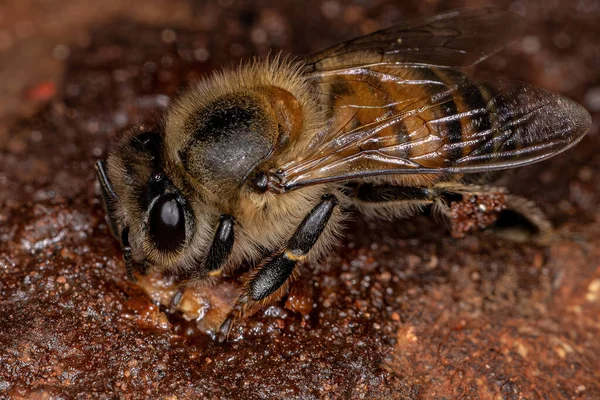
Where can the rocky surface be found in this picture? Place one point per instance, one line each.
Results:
(400, 310)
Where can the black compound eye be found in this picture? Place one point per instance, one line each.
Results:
(167, 223)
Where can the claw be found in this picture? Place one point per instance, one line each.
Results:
(176, 300)
(225, 328)
(236, 313)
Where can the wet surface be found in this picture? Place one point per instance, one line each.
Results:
(400, 310)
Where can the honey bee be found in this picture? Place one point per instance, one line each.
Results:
(260, 164)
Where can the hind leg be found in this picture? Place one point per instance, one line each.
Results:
(463, 207)
(493, 209)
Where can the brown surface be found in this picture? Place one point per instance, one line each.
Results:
(401, 310)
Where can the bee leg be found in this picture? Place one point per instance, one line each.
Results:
(221, 245)
(523, 221)
(127, 257)
(519, 220)
(218, 253)
(219, 250)
(390, 201)
(273, 277)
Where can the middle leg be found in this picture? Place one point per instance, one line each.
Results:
(273, 277)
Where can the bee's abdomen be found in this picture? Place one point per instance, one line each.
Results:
(457, 122)
(461, 114)
(433, 115)
(500, 124)
(415, 119)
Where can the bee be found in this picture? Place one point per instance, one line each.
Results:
(260, 164)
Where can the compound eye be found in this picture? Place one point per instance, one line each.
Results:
(167, 223)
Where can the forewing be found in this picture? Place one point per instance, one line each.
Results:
(399, 119)
(459, 38)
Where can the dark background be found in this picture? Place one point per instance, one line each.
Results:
(401, 309)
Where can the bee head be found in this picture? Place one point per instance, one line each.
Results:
(147, 207)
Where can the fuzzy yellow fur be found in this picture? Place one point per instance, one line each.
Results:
(263, 220)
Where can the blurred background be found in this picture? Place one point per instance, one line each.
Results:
(36, 36)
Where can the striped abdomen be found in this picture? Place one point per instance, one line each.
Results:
(399, 119)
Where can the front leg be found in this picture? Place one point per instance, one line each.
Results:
(218, 253)
(273, 277)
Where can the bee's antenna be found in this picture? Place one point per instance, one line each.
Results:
(127, 254)
(104, 181)
(109, 196)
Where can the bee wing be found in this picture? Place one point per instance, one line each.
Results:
(460, 38)
(406, 119)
